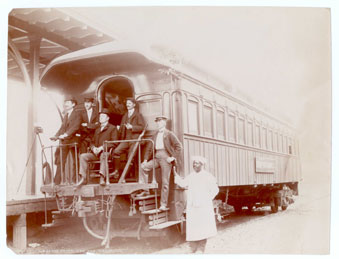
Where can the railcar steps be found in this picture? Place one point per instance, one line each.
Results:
(165, 224)
(154, 211)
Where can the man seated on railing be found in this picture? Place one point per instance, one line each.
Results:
(106, 132)
(132, 124)
(66, 134)
(167, 149)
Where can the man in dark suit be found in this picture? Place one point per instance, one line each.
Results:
(105, 132)
(132, 124)
(167, 149)
(89, 123)
(66, 134)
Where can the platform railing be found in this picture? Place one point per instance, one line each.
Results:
(136, 142)
(52, 149)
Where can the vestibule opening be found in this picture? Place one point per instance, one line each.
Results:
(112, 94)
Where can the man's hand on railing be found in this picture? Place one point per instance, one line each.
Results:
(54, 138)
(170, 159)
(143, 166)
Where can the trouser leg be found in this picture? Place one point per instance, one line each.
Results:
(84, 159)
(63, 152)
(83, 146)
(103, 162)
(165, 176)
(147, 169)
(198, 245)
(121, 148)
(74, 164)
(201, 245)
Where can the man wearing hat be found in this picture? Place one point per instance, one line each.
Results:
(132, 124)
(66, 134)
(105, 132)
(167, 149)
(89, 122)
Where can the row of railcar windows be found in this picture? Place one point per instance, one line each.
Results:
(236, 130)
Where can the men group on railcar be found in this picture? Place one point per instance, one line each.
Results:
(90, 129)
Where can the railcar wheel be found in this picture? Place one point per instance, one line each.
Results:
(284, 203)
(274, 205)
(96, 225)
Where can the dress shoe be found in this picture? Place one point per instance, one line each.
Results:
(102, 180)
(163, 208)
(143, 193)
(81, 182)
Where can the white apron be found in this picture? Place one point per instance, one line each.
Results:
(200, 219)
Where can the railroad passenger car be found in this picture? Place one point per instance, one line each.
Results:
(253, 155)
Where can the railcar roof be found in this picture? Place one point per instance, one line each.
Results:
(74, 71)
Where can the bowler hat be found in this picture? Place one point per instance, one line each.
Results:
(104, 110)
(162, 117)
(89, 99)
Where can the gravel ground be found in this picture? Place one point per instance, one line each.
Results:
(302, 229)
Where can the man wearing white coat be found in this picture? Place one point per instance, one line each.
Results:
(200, 219)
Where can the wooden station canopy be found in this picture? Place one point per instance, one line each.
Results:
(55, 31)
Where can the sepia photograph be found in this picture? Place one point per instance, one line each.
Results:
(139, 129)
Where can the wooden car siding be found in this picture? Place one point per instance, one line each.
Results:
(232, 165)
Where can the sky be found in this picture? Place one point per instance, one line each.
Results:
(272, 55)
(278, 58)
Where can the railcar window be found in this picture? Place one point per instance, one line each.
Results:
(275, 142)
(231, 127)
(150, 109)
(280, 143)
(250, 133)
(221, 124)
(270, 140)
(241, 131)
(264, 138)
(257, 136)
(208, 121)
(193, 116)
(285, 145)
(289, 146)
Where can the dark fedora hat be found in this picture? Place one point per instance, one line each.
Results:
(162, 117)
(89, 99)
(104, 110)
(71, 98)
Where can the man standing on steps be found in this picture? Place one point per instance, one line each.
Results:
(167, 149)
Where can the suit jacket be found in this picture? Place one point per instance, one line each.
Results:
(138, 124)
(171, 143)
(92, 124)
(109, 132)
(70, 126)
